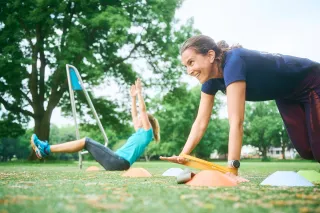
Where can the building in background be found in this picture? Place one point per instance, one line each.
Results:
(276, 152)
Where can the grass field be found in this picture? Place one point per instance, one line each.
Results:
(62, 187)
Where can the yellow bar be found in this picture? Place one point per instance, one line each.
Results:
(198, 163)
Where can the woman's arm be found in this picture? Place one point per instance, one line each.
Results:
(134, 113)
(236, 93)
(198, 128)
(143, 109)
(200, 124)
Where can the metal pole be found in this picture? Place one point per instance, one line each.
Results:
(92, 107)
(74, 112)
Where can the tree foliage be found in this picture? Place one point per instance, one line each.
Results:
(100, 37)
(264, 127)
(176, 112)
(10, 133)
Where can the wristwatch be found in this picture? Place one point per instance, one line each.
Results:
(234, 163)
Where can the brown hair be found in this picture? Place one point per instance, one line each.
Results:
(155, 127)
(202, 44)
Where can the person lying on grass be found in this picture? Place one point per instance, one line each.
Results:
(146, 126)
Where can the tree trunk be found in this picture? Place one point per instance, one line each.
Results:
(283, 150)
(264, 152)
(42, 130)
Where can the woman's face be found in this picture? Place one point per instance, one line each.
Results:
(198, 65)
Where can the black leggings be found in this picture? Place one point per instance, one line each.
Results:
(105, 156)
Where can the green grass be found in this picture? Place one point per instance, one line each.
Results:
(53, 187)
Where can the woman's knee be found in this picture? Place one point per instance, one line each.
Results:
(316, 156)
(87, 139)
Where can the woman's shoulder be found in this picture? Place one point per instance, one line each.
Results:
(243, 55)
(240, 51)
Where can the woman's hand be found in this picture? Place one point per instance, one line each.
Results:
(174, 159)
(138, 86)
(133, 91)
(236, 178)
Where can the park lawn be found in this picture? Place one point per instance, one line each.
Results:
(62, 187)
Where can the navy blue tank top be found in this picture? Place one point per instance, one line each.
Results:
(267, 76)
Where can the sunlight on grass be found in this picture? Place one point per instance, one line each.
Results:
(62, 187)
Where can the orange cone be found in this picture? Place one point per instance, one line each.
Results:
(211, 178)
(92, 169)
(136, 172)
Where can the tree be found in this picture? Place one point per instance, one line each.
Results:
(285, 141)
(100, 37)
(10, 131)
(176, 112)
(216, 137)
(264, 127)
(22, 147)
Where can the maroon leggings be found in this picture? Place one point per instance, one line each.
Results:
(301, 115)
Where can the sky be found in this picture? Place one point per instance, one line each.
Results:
(278, 26)
(290, 27)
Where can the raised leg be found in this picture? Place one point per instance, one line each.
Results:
(68, 147)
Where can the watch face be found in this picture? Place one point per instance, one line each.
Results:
(236, 164)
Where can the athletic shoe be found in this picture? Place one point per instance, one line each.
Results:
(41, 148)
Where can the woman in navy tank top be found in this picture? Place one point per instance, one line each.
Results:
(248, 75)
